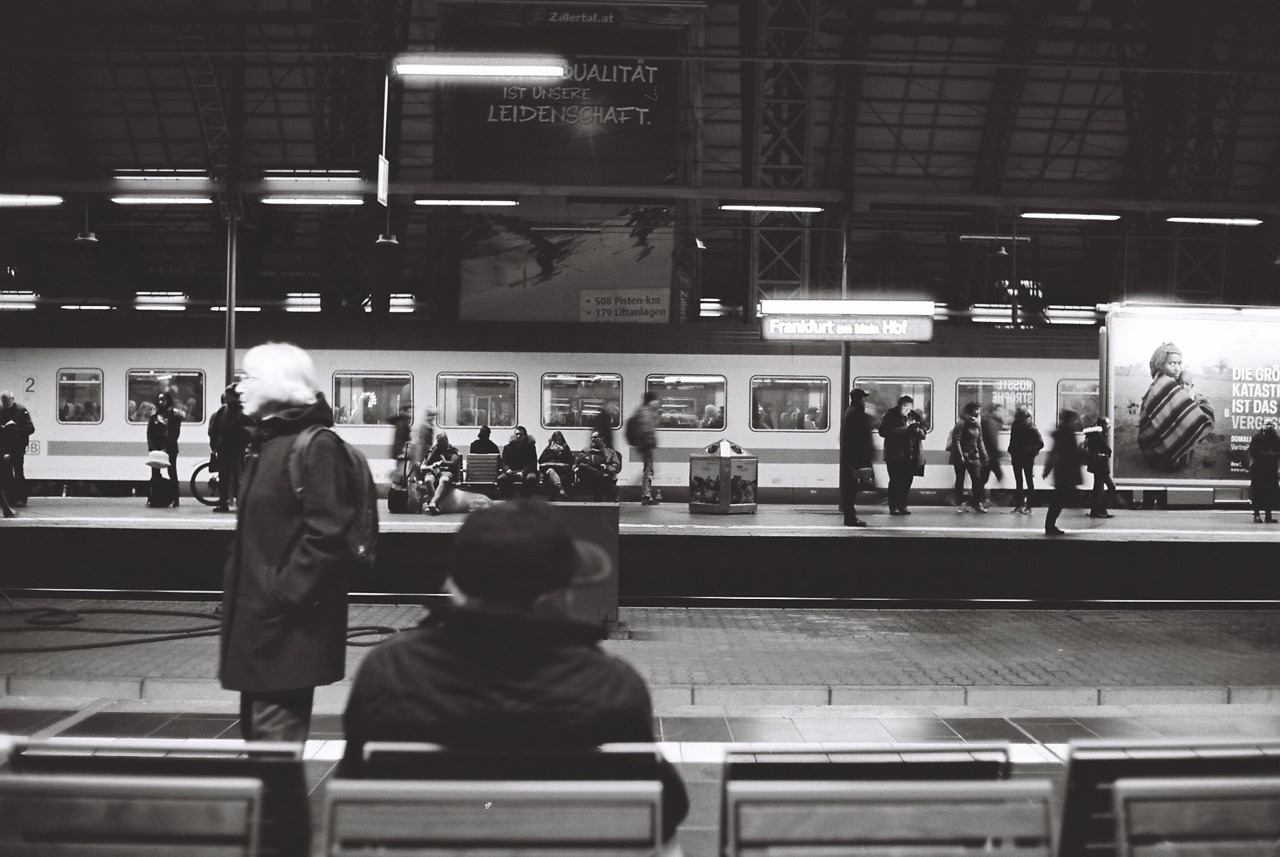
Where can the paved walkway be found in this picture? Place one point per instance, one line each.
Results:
(741, 657)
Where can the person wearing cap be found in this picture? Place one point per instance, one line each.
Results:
(501, 664)
(856, 452)
(228, 438)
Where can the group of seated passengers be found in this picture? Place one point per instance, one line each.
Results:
(521, 470)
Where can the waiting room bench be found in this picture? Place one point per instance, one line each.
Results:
(286, 824)
(888, 818)
(58, 815)
(1194, 817)
(1093, 767)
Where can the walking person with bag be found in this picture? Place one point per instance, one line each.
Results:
(1097, 451)
(856, 453)
(291, 561)
(642, 433)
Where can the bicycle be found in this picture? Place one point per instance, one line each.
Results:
(204, 485)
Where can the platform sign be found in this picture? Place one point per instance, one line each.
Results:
(1188, 388)
(846, 321)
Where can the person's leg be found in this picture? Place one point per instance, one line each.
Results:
(979, 492)
(1095, 497)
(17, 461)
(231, 471)
(959, 470)
(1019, 488)
(173, 476)
(276, 715)
(646, 476)
(895, 485)
(554, 484)
(224, 488)
(908, 477)
(1055, 509)
(443, 486)
(6, 486)
(1031, 487)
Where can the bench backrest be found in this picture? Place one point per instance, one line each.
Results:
(1191, 818)
(481, 468)
(923, 761)
(1088, 809)
(46, 815)
(877, 819)
(392, 760)
(392, 817)
(286, 826)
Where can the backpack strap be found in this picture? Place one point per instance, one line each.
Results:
(296, 462)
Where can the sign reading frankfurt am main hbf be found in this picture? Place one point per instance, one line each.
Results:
(848, 328)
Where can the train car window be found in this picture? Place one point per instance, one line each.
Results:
(883, 395)
(790, 404)
(689, 401)
(1010, 393)
(468, 399)
(79, 395)
(574, 399)
(186, 386)
(370, 398)
(1082, 397)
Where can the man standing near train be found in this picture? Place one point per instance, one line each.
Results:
(16, 429)
(856, 451)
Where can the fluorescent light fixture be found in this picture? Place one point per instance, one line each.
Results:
(87, 306)
(479, 65)
(586, 230)
(486, 202)
(833, 307)
(238, 309)
(160, 301)
(403, 303)
(994, 238)
(17, 300)
(1217, 221)
(313, 200)
(1062, 215)
(29, 200)
(712, 308)
(302, 302)
(161, 175)
(1063, 314)
(162, 200)
(313, 176)
(795, 209)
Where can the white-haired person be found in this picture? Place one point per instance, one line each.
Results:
(284, 604)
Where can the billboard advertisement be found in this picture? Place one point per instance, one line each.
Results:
(1189, 388)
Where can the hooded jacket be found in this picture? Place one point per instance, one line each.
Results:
(288, 571)
(476, 677)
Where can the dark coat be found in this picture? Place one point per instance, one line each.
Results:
(856, 449)
(1025, 442)
(13, 440)
(520, 456)
(484, 446)
(467, 677)
(449, 459)
(556, 454)
(1064, 459)
(288, 571)
(163, 430)
(1097, 450)
(229, 432)
(966, 445)
(901, 439)
(1264, 480)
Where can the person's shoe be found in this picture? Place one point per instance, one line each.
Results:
(854, 522)
(984, 506)
(1106, 515)
(894, 512)
(964, 508)
(904, 511)
(1257, 517)
(1270, 520)
(1054, 531)
(433, 509)
(9, 513)
(222, 508)
(175, 502)
(983, 509)
(646, 501)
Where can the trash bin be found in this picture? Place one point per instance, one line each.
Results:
(723, 480)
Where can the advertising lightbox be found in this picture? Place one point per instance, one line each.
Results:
(1189, 388)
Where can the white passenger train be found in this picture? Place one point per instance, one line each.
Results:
(90, 405)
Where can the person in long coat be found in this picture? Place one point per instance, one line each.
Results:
(856, 453)
(163, 429)
(289, 569)
(1064, 465)
(1264, 480)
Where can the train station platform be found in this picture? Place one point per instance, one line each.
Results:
(1034, 678)
(781, 554)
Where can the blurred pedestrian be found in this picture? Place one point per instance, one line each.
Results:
(1063, 464)
(642, 433)
(992, 425)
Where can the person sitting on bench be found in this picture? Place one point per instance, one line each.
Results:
(441, 471)
(596, 469)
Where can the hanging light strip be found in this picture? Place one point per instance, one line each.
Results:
(29, 200)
